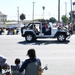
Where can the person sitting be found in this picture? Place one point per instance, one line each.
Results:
(4, 66)
(45, 28)
(36, 30)
(3, 63)
(17, 62)
(15, 68)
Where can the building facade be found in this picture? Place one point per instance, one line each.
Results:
(3, 17)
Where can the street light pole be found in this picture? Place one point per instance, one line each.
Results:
(18, 14)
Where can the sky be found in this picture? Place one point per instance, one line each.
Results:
(9, 7)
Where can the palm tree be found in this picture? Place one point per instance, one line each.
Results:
(43, 11)
(22, 16)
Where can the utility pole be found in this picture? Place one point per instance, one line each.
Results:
(71, 16)
(58, 10)
(71, 11)
(18, 14)
(33, 11)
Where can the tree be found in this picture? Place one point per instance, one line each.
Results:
(22, 16)
(43, 11)
(52, 19)
(43, 8)
(65, 19)
(42, 20)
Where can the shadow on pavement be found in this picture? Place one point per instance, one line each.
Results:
(43, 42)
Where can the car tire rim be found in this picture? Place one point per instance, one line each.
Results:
(29, 37)
(61, 37)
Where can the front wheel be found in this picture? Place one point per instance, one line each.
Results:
(29, 37)
(61, 37)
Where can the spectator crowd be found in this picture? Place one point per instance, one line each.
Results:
(30, 66)
(9, 31)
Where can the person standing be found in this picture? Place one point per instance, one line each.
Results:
(32, 65)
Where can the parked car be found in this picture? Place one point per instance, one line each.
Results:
(44, 30)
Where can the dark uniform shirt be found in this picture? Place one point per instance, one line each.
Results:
(30, 66)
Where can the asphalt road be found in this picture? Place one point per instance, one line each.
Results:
(60, 57)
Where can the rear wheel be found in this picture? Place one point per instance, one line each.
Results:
(61, 37)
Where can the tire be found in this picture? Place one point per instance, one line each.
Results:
(29, 37)
(61, 37)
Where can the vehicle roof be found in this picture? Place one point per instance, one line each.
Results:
(37, 22)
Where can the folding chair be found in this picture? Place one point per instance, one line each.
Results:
(0, 69)
(15, 70)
